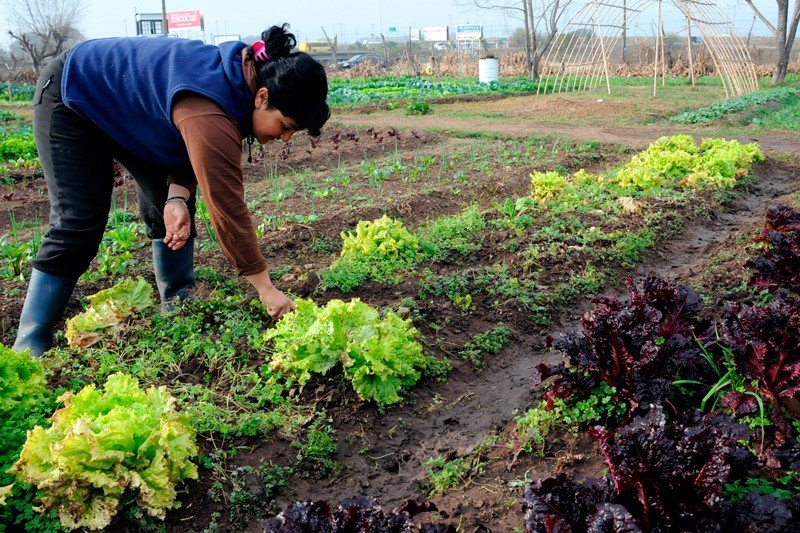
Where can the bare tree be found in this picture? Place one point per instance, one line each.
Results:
(784, 33)
(44, 28)
(540, 18)
(333, 46)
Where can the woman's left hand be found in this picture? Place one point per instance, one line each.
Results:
(178, 224)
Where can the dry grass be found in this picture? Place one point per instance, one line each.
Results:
(450, 65)
(456, 65)
(514, 64)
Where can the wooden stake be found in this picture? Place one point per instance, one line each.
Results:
(655, 59)
(602, 50)
(689, 41)
(663, 45)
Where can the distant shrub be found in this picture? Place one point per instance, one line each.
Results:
(17, 146)
(418, 108)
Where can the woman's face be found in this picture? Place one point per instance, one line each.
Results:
(270, 124)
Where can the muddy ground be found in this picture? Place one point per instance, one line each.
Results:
(382, 452)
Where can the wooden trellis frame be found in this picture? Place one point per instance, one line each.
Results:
(578, 58)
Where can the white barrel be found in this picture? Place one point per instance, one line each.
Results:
(488, 70)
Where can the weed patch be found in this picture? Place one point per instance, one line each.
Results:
(445, 475)
(487, 343)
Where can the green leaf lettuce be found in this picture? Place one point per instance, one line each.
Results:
(379, 355)
(106, 446)
(106, 309)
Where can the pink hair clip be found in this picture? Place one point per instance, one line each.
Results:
(260, 51)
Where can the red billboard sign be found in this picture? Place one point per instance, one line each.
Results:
(181, 20)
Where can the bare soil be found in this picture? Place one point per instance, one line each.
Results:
(523, 116)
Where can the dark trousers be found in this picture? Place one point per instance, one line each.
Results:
(78, 163)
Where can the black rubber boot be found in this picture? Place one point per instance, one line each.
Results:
(174, 272)
(44, 304)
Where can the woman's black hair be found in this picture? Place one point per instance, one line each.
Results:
(297, 83)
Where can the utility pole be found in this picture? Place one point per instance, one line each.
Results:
(164, 17)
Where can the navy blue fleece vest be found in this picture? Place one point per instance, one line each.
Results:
(127, 85)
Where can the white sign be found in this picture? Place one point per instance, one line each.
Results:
(434, 33)
(219, 39)
(413, 34)
(469, 32)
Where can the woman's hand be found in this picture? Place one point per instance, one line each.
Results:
(178, 224)
(277, 303)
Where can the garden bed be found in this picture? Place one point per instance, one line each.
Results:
(531, 267)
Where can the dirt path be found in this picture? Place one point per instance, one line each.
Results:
(634, 136)
(683, 257)
(386, 453)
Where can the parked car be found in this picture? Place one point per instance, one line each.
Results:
(360, 59)
(440, 46)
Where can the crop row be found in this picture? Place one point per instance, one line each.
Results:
(348, 92)
(697, 422)
(17, 146)
(13, 92)
(727, 107)
(384, 249)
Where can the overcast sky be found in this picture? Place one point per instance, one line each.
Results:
(352, 19)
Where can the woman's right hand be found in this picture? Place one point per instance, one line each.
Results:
(277, 303)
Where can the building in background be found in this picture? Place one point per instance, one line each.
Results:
(314, 47)
(149, 24)
(186, 24)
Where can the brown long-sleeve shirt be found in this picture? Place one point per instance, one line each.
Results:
(214, 144)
